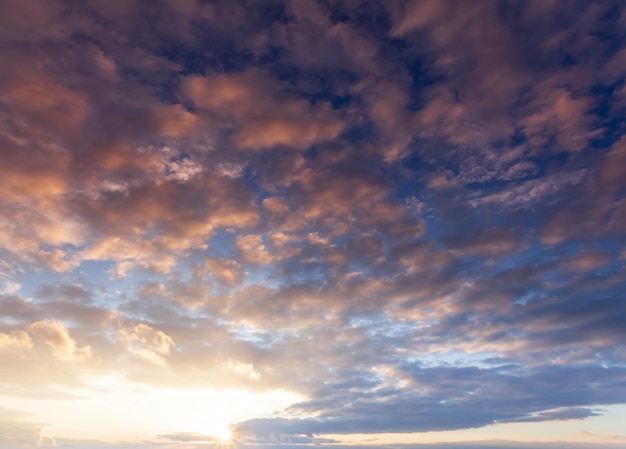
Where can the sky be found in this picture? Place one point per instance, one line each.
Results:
(288, 223)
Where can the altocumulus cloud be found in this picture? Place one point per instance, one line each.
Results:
(409, 214)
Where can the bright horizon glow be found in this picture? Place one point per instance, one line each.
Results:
(118, 410)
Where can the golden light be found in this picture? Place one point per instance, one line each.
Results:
(118, 410)
(224, 436)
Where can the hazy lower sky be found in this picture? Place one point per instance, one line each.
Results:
(281, 223)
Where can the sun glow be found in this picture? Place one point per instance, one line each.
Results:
(224, 435)
(207, 428)
(116, 409)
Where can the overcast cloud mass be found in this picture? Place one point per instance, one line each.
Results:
(310, 219)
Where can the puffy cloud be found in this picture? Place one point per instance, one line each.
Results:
(15, 341)
(261, 117)
(246, 369)
(147, 343)
(230, 271)
(254, 249)
(55, 335)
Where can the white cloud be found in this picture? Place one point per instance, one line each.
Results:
(147, 343)
(531, 191)
(230, 169)
(54, 334)
(19, 340)
(9, 287)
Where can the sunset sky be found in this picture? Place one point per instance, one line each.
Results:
(285, 223)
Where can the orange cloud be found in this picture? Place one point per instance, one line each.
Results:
(261, 113)
(55, 335)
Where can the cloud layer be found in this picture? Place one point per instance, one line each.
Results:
(410, 214)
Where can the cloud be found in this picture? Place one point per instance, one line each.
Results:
(409, 215)
(15, 341)
(55, 335)
(557, 114)
(189, 437)
(608, 438)
(254, 249)
(532, 190)
(262, 118)
(147, 343)
(440, 405)
(230, 271)
(17, 429)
